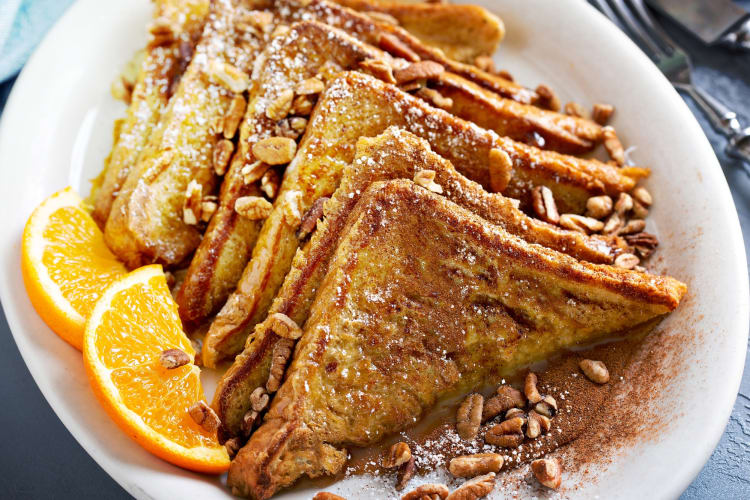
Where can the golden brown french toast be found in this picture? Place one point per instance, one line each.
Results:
(176, 29)
(302, 53)
(395, 154)
(147, 223)
(357, 105)
(422, 300)
(462, 32)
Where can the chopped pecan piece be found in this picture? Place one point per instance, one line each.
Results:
(275, 150)
(544, 205)
(599, 207)
(398, 455)
(474, 465)
(624, 204)
(641, 195)
(596, 371)
(547, 98)
(310, 86)
(613, 145)
(228, 76)
(485, 63)
(222, 153)
(281, 106)
(253, 207)
(291, 127)
(269, 183)
(382, 17)
(204, 415)
(435, 98)
(496, 438)
(393, 45)
(644, 243)
(547, 472)
(426, 179)
(633, 226)
(259, 399)
(233, 445)
(253, 172)
(234, 116)
(208, 209)
(248, 421)
(173, 358)
(191, 208)
(311, 217)
(575, 109)
(379, 69)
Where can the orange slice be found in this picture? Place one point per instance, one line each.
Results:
(65, 264)
(132, 324)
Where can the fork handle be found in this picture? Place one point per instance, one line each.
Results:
(724, 120)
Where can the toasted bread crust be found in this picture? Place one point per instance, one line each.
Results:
(445, 309)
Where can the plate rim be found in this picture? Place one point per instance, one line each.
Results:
(680, 480)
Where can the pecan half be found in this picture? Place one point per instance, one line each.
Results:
(417, 71)
(530, 390)
(204, 415)
(547, 98)
(282, 351)
(580, 223)
(602, 113)
(469, 416)
(613, 145)
(398, 455)
(379, 69)
(496, 437)
(259, 399)
(173, 358)
(644, 243)
(253, 207)
(642, 195)
(626, 261)
(507, 397)
(633, 226)
(310, 86)
(543, 202)
(624, 204)
(405, 473)
(222, 153)
(473, 489)
(474, 465)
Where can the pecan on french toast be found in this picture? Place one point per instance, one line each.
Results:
(175, 31)
(311, 51)
(422, 300)
(462, 32)
(356, 105)
(395, 154)
(147, 222)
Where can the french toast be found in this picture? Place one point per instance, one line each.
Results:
(422, 300)
(177, 26)
(146, 222)
(462, 32)
(356, 105)
(299, 54)
(377, 33)
(395, 154)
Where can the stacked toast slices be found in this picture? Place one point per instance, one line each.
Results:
(344, 172)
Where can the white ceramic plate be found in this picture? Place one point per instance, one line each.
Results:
(56, 131)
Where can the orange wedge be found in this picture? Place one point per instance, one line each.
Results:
(131, 325)
(65, 264)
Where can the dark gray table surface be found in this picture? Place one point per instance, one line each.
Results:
(41, 459)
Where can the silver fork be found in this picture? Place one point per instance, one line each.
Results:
(633, 16)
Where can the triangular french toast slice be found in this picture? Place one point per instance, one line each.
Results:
(424, 299)
(356, 105)
(177, 27)
(395, 154)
